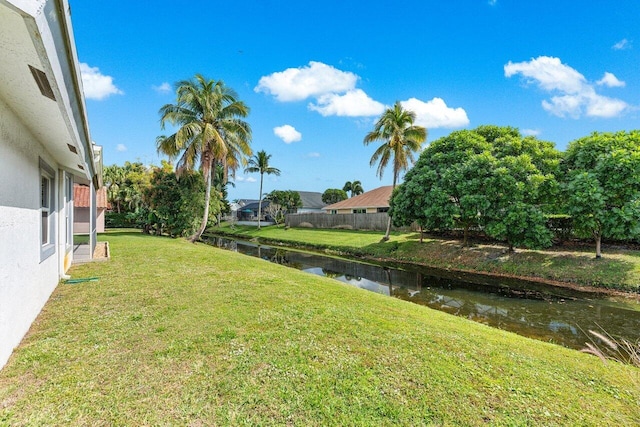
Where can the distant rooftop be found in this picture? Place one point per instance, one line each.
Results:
(311, 199)
(82, 197)
(377, 198)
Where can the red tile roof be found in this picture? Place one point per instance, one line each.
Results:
(81, 197)
(378, 198)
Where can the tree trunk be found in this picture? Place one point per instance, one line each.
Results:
(420, 234)
(388, 232)
(260, 200)
(207, 200)
(598, 237)
(465, 236)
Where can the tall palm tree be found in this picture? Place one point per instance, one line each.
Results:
(210, 131)
(113, 178)
(260, 163)
(354, 187)
(401, 139)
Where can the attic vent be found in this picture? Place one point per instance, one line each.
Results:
(72, 149)
(43, 83)
(80, 167)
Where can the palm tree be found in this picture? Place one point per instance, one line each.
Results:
(211, 131)
(113, 178)
(401, 139)
(354, 187)
(260, 163)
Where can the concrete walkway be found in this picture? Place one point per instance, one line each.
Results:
(81, 253)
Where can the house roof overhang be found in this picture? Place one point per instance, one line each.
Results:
(40, 82)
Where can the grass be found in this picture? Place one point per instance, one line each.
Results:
(618, 269)
(181, 334)
(80, 239)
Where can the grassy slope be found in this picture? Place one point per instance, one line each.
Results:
(619, 269)
(175, 333)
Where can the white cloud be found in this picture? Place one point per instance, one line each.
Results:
(121, 147)
(313, 154)
(575, 95)
(163, 88)
(315, 79)
(354, 103)
(243, 179)
(610, 80)
(622, 45)
(549, 73)
(287, 133)
(96, 85)
(435, 113)
(603, 106)
(530, 132)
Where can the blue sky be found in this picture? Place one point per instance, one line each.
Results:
(316, 75)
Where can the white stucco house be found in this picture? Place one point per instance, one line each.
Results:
(45, 147)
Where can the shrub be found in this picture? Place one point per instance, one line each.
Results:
(621, 350)
(118, 220)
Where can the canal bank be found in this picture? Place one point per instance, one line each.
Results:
(548, 313)
(617, 274)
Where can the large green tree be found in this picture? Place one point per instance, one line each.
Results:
(174, 206)
(354, 187)
(282, 202)
(602, 185)
(334, 195)
(211, 130)
(490, 178)
(401, 139)
(259, 163)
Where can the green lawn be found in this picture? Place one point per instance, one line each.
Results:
(180, 334)
(618, 269)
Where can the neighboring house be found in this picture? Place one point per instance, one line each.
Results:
(82, 209)
(374, 201)
(311, 202)
(249, 211)
(45, 147)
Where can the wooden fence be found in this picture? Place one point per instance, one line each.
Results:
(361, 221)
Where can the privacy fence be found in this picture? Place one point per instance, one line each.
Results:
(360, 221)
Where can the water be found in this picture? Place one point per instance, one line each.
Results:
(562, 316)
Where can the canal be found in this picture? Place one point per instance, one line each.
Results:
(558, 315)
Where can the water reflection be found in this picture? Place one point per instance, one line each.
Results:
(531, 310)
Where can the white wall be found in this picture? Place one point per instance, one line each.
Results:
(25, 282)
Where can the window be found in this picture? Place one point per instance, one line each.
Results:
(47, 210)
(45, 207)
(334, 211)
(381, 210)
(359, 211)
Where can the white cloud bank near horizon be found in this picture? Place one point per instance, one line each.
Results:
(334, 93)
(96, 85)
(287, 133)
(575, 96)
